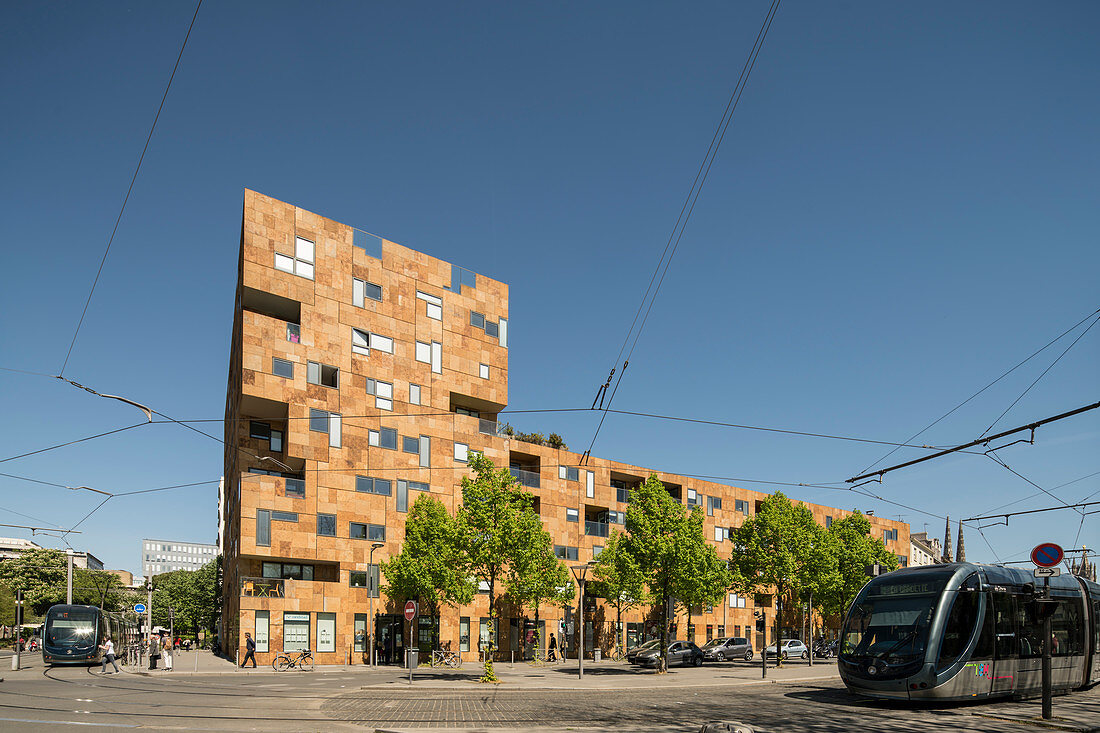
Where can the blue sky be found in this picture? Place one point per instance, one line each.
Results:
(904, 208)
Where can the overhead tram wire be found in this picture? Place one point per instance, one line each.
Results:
(1007, 515)
(980, 441)
(1000, 462)
(73, 442)
(1043, 374)
(1039, 493)
(927, 427)
(129, 190)
(681, 224)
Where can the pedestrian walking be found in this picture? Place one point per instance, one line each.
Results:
(166, 646)
(154, 650)
(552, 652)
(108, 648)
(250, 650)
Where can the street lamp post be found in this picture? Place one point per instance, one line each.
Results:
(370, 598)
(580, 572)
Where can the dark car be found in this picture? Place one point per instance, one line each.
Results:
(632, 654)
(726, 648)
(679, 652)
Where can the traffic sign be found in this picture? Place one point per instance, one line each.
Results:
(1047, 572)
(1047, 555)
(410, 610)
(139, 608)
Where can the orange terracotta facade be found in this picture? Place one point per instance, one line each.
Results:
(308, 314)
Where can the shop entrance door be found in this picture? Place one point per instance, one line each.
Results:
(389, 639)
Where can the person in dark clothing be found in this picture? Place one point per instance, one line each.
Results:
(250, 650)
(552, 652)
(154, 650)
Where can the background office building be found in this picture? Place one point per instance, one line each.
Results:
(164, 556)
(363, 374)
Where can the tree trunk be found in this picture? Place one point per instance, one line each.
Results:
(538, 636)
(662, 664)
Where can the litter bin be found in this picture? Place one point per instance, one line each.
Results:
(413, 658)
(597, 655)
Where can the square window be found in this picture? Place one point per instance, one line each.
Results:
(569, 473)
(293, 333)
(410, 444)
(357, 530)
(282, 368)
(318, 421)
(326, 525)
(303, 249)
(296, 487)
(383, 487)
(322, 374)
(284, 263)
(414, 394)
(477, 319)
(259, 430)
(388, 438)
(372, 291)
(423, 352)
(572, 515)
(381, 343)
(360, 342)
(303, 269)
(462, 452)
(483, 371)
(364, 484)
(435, 311)
(491, 329)
(357, 579)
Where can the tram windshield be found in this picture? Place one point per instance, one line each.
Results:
(71, 628)
(890, 619)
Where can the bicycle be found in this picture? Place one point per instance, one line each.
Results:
(617, 654)
(303, 660)
(446, 658)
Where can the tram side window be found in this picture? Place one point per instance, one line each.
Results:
(1067, 629)
(1029, 627)
(959, 627)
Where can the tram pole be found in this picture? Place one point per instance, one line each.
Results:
(1047, 613)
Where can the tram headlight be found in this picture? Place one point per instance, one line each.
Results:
(872, 670)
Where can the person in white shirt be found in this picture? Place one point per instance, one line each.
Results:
(109, 655)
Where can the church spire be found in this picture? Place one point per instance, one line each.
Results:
(947, 541)
(960, 552)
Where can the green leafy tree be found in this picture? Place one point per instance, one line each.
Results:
(617, 577)
(782, 549)
(41, 575)
(191, 594)
(855, 549)
(668, 547)
(432, 566)
(536, 575)
(490, 527)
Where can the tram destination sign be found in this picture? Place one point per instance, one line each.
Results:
(1047, 572)
(1047, 555)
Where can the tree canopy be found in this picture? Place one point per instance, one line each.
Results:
(493, 523)
(666, 544)
(191, 594)
(855, 549)
(42, 575)
(432, 567)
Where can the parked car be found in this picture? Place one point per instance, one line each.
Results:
(790, 648)
(632, 654)
(679, 652)
(726, 648)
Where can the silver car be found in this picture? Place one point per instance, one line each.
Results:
(726, 648)
(790, 648)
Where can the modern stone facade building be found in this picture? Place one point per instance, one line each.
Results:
(363, 373)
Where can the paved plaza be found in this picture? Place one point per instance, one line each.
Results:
(612, 697)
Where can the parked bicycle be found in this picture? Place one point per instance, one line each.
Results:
(303, 660)
(617, 654)
(446, 658)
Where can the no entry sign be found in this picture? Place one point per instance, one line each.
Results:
(410, 610)
(1047, 555)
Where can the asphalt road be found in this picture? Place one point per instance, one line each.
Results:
(361, 700)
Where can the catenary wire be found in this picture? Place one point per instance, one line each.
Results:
(73, 442)
(1040, 493)
(129, 190)
(983, 389)
(693, 197)
(1000, 462)
(1041, 375)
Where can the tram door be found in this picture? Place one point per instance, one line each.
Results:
(1006, 647)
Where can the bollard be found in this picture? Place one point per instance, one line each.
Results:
(513, 662)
